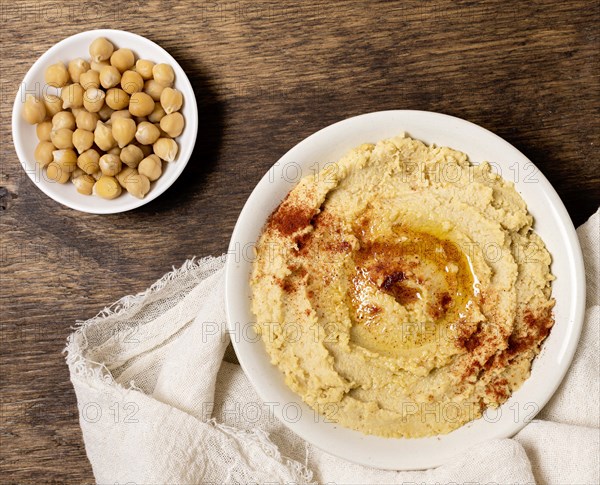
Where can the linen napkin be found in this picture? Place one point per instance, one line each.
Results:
(158, 404)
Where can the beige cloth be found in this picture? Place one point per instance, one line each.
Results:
(159, 405)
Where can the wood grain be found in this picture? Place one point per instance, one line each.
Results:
(266, 75)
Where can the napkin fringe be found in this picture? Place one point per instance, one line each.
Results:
(258, 437)
(77, 342)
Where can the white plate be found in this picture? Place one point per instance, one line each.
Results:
(551, 222)
(25, 139)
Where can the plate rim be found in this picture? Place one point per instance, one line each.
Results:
(577, 306)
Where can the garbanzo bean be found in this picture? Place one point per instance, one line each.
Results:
(144, 68)
(89, 161)
(62, 138)
(53, 104)
(131, 82)
(43, 129)
(77, 67)
(57, 75)
(101, 49)
(34, 110)
(141, 104)
(166, 148)
(43, 153)
(122, 59)
(90, 79)
(171, 100)
(131, 155)
(172, 124)
(84, 184)
(163, 74)
(103, 136)
(72, 96)
(117, 99)
(86, 121)
(123, 130)
(147, 133)
(57, 174)
(82, 140)
(107, 187)
(110, 164)
(151, 167)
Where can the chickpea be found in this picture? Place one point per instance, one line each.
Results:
(147, 133)
(82, 140)
(122, 59)
(77, 67)
(97, 175)
(62, 138)
(56, 173)
(84, 184)
(110, 164)
(153, 89)
(77, 173)
(103, 137)
(117, 99)
(43, 153)
(157, 114)
(63, 119)
(34, 110)
(172, 124)
(141, 104)
(97, 66)
(43, 129)
(101, 49)
(131, 82)
(105, 112)
(122, 113)
(76, 111)
(131, 155)
(166, 148)
(57, 75)
(86, 121)
(53, 104)
(115, 151)
(107, 187)
(151, 167)
(109, 77)
(89, 161)
(171, 100)
(137, 185)
(72, 96)
(123, 130)
(144, 68)
(66, 159)
(163, 74)
(93, 100)
(124, 175)
(90, 79)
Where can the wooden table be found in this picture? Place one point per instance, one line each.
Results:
(266, 75)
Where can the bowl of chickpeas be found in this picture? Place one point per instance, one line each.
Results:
(105, 121)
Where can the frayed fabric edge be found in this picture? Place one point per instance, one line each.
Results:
(86, 368)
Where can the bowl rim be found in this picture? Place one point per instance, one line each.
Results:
(117, 206)
(237, 308)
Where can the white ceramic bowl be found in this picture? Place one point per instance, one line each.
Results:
(551, 222)
(25, 139)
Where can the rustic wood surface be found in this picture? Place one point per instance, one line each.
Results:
(266, 75)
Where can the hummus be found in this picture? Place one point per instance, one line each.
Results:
(402, 290)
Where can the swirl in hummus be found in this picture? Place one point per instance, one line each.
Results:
(402, 290)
